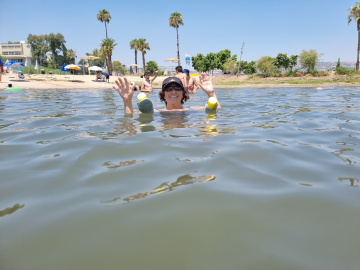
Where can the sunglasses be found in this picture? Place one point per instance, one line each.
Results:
(176, 88)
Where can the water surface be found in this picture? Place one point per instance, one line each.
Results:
(270, 182)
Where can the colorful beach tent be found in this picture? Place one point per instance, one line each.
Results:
(63, 69)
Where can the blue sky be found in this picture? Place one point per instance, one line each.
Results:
(267, 27)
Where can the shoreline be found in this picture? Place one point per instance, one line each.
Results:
(82, 82)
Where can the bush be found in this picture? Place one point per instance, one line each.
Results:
(266, 66)
(316, 73)
(309, 59)
(345, 71)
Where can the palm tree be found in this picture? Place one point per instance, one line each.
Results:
(106, 48)
(355, 15)
(143, 46)
(71, 54)
(174, 21)
(134, 44)
(104, 16)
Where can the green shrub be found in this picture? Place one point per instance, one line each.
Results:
(345, 71)
(309, 59)
(266, 66)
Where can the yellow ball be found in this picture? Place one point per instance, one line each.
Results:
(211, 103)
(141, 96)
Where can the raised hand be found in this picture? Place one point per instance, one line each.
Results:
(123, 89)
(206, 84)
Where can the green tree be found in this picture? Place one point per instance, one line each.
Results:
(131, 70)
(198, 62)
(56, 43)
(82, 62)
(107, 46)
(309, 59)
(212, 62)
(134, 45)
(247, 67)
(293, 61)
(71, 56)
(117, 66)
(282, 61)
(2, 59)
(230, 66)
(151, 67)
(354, 14)
(104, 16)
(223, 57)
(266, 66)
(338, 63)
(39, 45)
(143, 46)
(174, 21)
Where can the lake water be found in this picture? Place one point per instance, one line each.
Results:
(270, 182)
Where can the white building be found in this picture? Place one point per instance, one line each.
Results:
(18, 52)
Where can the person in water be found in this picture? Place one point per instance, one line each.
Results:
(191, 82)
(133, 86)
(146, 85)
(172, 93)
(181, 76)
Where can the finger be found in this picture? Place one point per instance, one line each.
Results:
(200, 78)
(204, 76)
(121, 82)
(211, 78)
(126, 82)
(117, 82)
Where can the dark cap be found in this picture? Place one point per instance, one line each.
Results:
(186, 71)
(169, 80)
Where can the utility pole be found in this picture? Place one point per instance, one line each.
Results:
(240, 57)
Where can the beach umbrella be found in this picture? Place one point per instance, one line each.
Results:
(91, 57)
(135, 65)
(14, 64)
(172, 60)
(36, 66)
(95, 68)
(73, 67)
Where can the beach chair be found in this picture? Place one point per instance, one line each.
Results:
(21, 76)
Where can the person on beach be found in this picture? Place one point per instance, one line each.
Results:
(181, 76)
(98, 77)
(1, 70)
(146, 85)
(107, 77)
(172, 93)
(191, 82)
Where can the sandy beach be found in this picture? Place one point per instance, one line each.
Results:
(77, 82)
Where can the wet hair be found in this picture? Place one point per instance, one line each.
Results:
(146, 74)
(183, 100)
(179, 69)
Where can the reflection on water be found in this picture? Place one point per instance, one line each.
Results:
(183, 180)
(97, 182)
(349, 180)
(11, 210)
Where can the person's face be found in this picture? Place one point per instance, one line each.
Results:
(147, 77)
(173, 96)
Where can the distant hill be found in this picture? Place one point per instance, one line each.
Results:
(327, 65)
